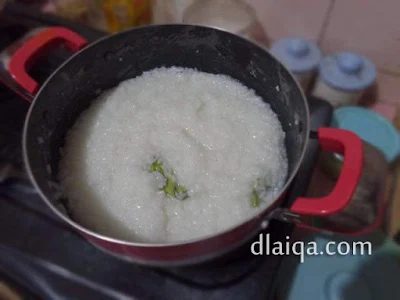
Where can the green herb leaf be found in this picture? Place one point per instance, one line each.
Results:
(171, 188)
(255, 199)
(181, 192)
(257, 183)
(157, 167)
(201, 107)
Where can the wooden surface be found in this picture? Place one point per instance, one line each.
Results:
(394, 213)
(394, 216)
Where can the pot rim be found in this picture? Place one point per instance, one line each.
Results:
(181, 262)
(168, 244)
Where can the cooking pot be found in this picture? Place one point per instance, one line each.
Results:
(110, 60)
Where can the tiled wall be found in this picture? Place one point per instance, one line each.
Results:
(369, 27)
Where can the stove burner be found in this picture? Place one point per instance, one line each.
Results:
(38, 248)
(233, 267)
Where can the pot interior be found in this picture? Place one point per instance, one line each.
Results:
(113, 59)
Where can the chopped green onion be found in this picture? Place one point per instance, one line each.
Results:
(201, 107)
(260, 186)
(181, 192)
(171, 188)
(257, 183)
(255, 199)
(157, 167)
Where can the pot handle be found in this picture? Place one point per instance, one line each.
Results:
(374, 226)
(350, 145)
(39, 45)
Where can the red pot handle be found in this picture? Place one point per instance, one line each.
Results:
(373, 227)
(350, 145)
(36, 47)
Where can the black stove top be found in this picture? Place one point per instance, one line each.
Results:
(44, 258)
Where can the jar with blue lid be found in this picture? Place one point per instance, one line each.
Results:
(300, 56)
(343, 77)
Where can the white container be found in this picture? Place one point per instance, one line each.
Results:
(235, 16)
(343, 77)
(169, 11)
(300, 56)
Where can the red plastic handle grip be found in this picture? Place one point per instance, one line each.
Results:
(350, 145)
(366, 230)
(38, 46)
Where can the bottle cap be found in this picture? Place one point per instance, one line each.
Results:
(347, 71)
(370, 127)
(298, 55)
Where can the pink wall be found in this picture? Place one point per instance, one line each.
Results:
(369, 27)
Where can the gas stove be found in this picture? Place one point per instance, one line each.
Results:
(42, 258)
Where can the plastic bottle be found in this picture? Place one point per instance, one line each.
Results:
(169, 11)
(300, 56)
(343, 77)
(117, 15)
(234, 16)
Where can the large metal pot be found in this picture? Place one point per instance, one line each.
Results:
(105, 63)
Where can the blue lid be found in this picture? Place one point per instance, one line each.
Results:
(347, 71)
(340, 277)
(370, 127)
(298, 55)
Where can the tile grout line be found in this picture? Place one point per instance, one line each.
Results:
(388, 72)
(324, 27)
(326, 21)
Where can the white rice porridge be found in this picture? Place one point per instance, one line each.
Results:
(173, 155)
